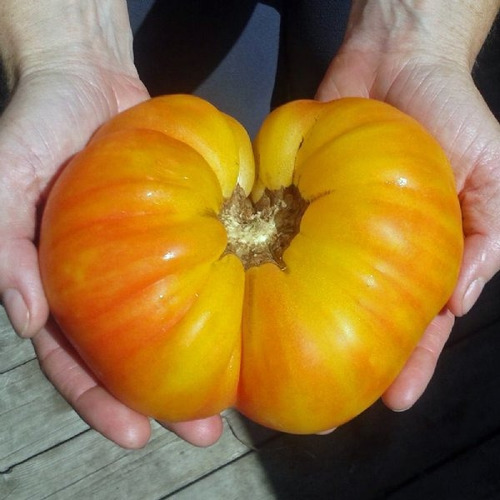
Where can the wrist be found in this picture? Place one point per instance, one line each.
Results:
(40, 35)
(446, 30)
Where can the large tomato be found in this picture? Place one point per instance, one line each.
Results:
(299, 307)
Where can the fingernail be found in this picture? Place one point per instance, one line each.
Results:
(325, 433)
(402, 409)
(17, 311)
(472, 294)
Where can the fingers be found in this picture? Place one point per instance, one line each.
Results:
(200, 433)
(101, 410)
(481, 262)
(91, 401)
(416, 374)
(327, 432)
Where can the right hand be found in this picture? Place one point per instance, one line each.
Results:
(417, 56)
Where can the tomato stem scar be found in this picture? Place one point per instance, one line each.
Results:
(261, 232)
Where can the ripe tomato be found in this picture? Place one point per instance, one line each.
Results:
(190, 280)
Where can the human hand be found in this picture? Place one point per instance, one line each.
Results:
(418, 57)
(70, 69)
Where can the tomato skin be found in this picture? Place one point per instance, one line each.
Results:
(376, 258)
(130, 259)
(133, 261)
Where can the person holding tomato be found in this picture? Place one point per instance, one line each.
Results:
(69, 67)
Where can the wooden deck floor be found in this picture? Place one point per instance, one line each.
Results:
(446, 447)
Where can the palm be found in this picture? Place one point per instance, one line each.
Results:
(444, 99)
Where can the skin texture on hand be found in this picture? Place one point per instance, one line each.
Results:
(70, 68)
(417, 56)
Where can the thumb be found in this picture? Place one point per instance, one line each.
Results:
(348, 75)
(21, 288)
(481, 261)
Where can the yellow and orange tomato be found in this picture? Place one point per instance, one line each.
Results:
(299, 307)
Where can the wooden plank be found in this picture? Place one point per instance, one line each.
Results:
(14, 351)
(242, 479)
(33, 416)
(88, 466)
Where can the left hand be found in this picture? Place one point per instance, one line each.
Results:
(406, 57)
(70, 69)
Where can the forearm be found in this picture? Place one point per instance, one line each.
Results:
(442, 28)
(34, 32)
